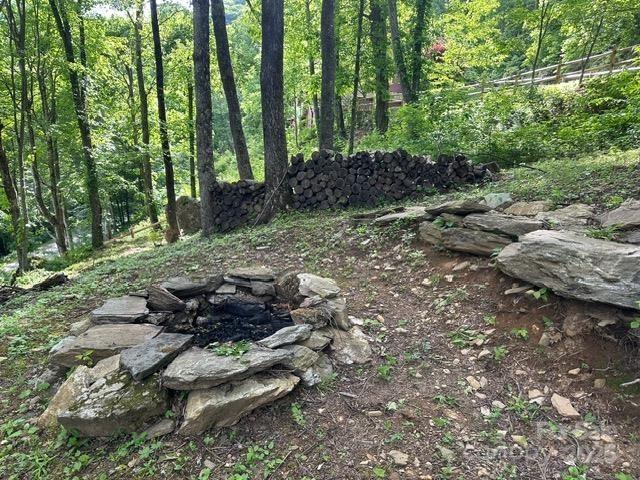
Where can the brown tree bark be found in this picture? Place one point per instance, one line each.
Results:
(10, 191)
(277, 194)
(192, 141)
(379, 44)
(356, 78)
(328, 85)
(423, 8)
(229, 85)
(204, 134)
(398, 53)
(312, 64)
(173, 232)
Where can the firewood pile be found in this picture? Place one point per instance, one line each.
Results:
(237, 204)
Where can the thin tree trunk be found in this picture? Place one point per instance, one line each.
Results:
(173, 232)
(277, 193)
(192, 141)
(312, 63)
(328, 85)
(423, 7)
(78, 90)
(379, 43)
(10, 190)
(229, 85)
(204, 134)
(593, 43)
(147, 178)
(356, 78)
(398, 54)
(545, 18)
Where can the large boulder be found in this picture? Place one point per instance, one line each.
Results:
(100, 342)
(198, 369)
(188, 213)
(625, 217)
(147, 358)
(576, 266)
(224, 405)
(126, 309)
(511, 225)
(476, 242)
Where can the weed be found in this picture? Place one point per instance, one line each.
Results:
(230, 349)
(298, 416)
(447, 400)
(520, 333)
(490, 320)
(499, 353)
(540, 294)
(463, 336)
(575, 473)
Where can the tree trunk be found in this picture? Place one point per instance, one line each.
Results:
(423, 7)
(79, 94)
(312, 63)
(398, 54)
(543, 25)
(229, 85)
(204, 134)
(277, 193)
(328, 86)
(173, 232)
(11, 192)
(192, 141)
(591, 45)
(147, 179)
(379, 43)
(356, 78)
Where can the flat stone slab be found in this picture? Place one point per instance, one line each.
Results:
(223, 406)
(495, 200)
(287, 336)
(114, 404)
(458, 207)
(253, 273)
(198, 368)
(126, 309)
(408, 214)
(528, 209)
(312, 285)
(577, 217)
(430, 233)
(183, 287)
(100, 342)
(494, 222)
(162, 300)
(626, 216)
(576, 266)
(301, 358)
(147, 358)
(318, 340)
(476, 242)
(350, 347)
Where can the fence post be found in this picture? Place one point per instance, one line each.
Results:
(559, 72)
(613, 59)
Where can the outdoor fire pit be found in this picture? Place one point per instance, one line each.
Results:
(235, 342)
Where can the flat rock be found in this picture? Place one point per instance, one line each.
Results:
(430, 233)
(100, 342)
(312, 285)
(476, 242)
(331, 311)
(399, 458)
(576, 266)
(263, 289)
(227, 289)
(495, 200)
(309, 316)
(528, 209)
(563, 406)
(253, 273)
(198, 369)
(351, 346)
(500, 223)
(126, 309)
(162, 300)
(318, 340)
(301, 358)
(114, 404)
(182, 287)
(286, 336)
(321, 370)
(147, 358)
(224, 405)
(458, 207)
(407, 214)
(79, 327)
(160, 428)
(631, 236)
(577, 218)
(625, 217)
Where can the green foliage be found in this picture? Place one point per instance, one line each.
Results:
(297, 414)
(230, 349)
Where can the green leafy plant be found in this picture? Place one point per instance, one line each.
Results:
(297, 414)
(521, 333)
(231, 349)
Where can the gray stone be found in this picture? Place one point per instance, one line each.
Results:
(226, 289)
(451, 220)
(253, 273)
(100, 342)
(458, 207)
(79, 379)
(318, 340)
(500, 223)
(286, 336)
(237, 281)
(632, 236)
(312, 285)
(476, 242)
(351, 346)
(114, 404)
(430, 234)
(301, 358)
(126, 309)
(576, 266)
(197, 368)
(79, 327)
(161, 300)
(188, 214)
(576, 218)
(528, 209)
(262, 289)
(625, 217)
(330, 311)
(224, 405)
(287, 287)
(495, 200)
(318, 372)
(147, 358)
(309, 316)
(160, 428)
(407, 214)
(182, 287)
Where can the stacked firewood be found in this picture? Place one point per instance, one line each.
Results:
(237, 204)
(329, 179)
